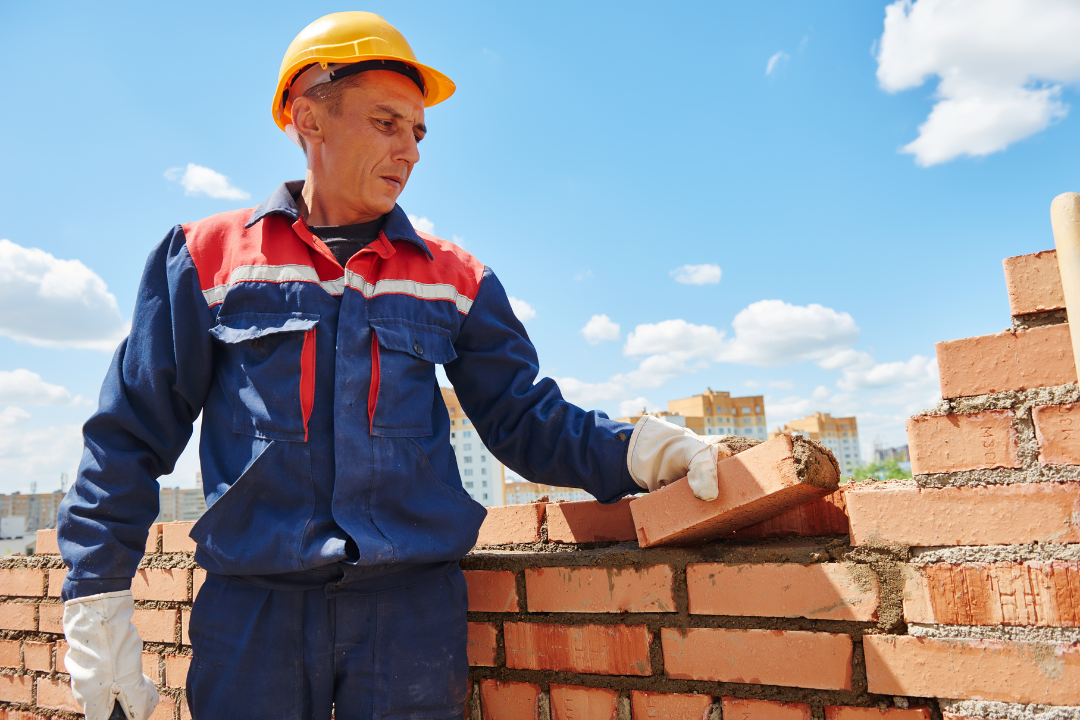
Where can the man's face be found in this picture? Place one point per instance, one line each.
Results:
(367, 149)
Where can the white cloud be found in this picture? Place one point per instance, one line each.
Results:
(587, 395)
(50, 302)
(522, 309)
(199, 180)
(600, 328)
(656, 370)
(862, 372)
(676, 338)
(422, 224)
(629, 408)
(1001, 65)
(13, 415)
(707, 274)
(773, 332)
(27, 388)
(775, 60)
(29, 453)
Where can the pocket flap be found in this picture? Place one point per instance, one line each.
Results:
(424, 342)
(248, 326)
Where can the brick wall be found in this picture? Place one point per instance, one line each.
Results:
(955, 595)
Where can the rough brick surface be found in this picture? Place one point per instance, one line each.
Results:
(198, 577)
(950, 443)
(46, 543)
(17, 616)
(653, 705)
(9, 653)
(583, 703)
(153, 539)
(492, 591)
(823, 516)
(998, 515)
(23, 582)
(185, 621)
(61, 655)
(176, 670)
(482, 644)
(1033, 283)
(1010, 360)
(1031, 593)
(840, 712)
(754, 485)
(37, 656)
(509, 700)
(16, 688)
(151, 666)
(590, 521)
(174, 537)
(51, 618)
(747, 709)
(603, 649)
(1057, 428)
(160, 584)
(826, 591)
(600, 590)
(56, 582)
(165, 710)
(56, 695)
(792, 658)
(512, 524)
(976, 670)
(155, 625)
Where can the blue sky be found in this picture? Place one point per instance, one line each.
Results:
(592, 150)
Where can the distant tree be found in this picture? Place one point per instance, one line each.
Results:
(885, 470)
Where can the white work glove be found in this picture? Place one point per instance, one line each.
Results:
(661, 453)
(105, 657)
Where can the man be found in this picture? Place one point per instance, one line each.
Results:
(306, 331)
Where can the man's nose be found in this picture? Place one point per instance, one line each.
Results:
(408, 151)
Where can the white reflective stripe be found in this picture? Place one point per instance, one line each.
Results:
(269, 273)
(425, 291)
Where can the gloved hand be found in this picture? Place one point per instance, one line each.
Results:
(105, 657)
(661, 453)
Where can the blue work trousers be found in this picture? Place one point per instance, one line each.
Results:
(262, 653)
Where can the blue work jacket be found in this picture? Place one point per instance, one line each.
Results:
(324, 435)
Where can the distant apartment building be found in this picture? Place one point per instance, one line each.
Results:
(182, 504)
(841, 435)
(481, 474)
(899, 454)
(716, 413)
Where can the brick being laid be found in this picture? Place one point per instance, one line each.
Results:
(1012, 360)
(1036, 593)
(1057, 428)
(1016, 672)
(952, 443)
(755, 484)
(600, 589)
(823, 516)
(1033, 283)
(891, 513)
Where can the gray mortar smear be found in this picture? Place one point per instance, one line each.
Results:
(1009, 711)
(995, 553)
(1014, 633)
(1021, 402)
(1039, 319)
(813, 461)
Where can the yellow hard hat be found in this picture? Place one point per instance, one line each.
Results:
(346, 38)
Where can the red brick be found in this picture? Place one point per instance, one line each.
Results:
(155, 625)
(512, 524)
(569, 702)
(61, 655)
(185, 621)
(56, 582)
(174, 537)
(160, 584)
(950, 443)
(823, 516)
(976, 670)
(492, 591)
(37, 656)
(745, 709)
(9, 653)
(754, 485)
(600, 590)
(603, 649)
(654, 706)
(997, 515)
(509, 700)
(840, 712)
(51, 618)
(1033, 283)
(22, 582)
(17, 688)
(165, 710)
(1030, 593)
(198, 577)
(482, 645)
(176, 670)
(793, 658)
(151, 666)
(1057, 428)
(46, 543)
(590, 521)
(25, 715)
(56, 695)
(153, 544)
(1012, 360)
(17, 616)
(185, 712)
(826, 591)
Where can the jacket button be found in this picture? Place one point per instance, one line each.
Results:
(417, 349)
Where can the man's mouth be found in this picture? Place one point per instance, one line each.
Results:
(394, 182)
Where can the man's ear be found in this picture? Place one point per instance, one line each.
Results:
(306, 116)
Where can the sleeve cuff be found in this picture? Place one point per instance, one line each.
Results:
(92, 586)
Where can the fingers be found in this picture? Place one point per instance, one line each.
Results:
(702, 475)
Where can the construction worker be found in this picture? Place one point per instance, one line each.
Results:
(306, 332)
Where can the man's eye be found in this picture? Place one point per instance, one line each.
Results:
(384, 123)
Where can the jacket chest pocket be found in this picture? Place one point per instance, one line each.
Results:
(403, 387)
(268, 369)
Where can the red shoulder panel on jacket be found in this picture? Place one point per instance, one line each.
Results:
(451, 265)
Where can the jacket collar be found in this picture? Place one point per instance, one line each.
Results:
(282, 202)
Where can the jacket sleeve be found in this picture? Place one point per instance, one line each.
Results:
(151, 396)
(526, 424)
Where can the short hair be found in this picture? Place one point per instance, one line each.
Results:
(331, 95)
